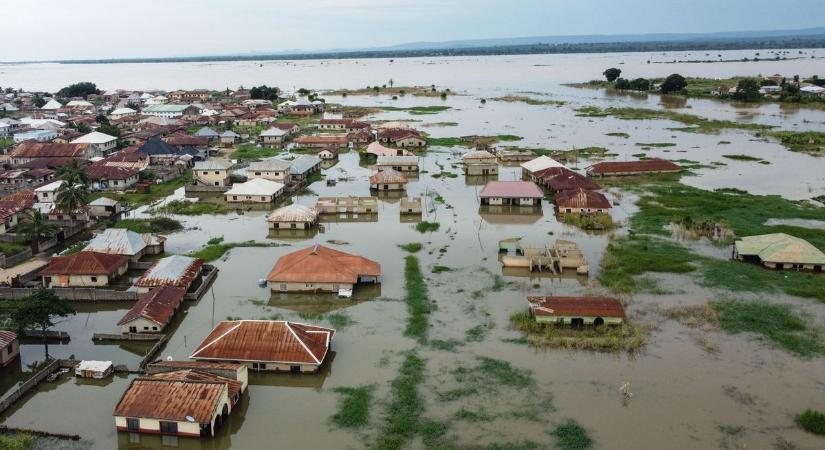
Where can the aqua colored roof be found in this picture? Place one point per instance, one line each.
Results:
(780, 248)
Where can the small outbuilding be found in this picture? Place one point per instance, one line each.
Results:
(625, 168)
(577, 311)
(9, 347)
(293, 217)
(388, 180)
(581, 201)
(104, 207)
(780, 251)
(94, 369)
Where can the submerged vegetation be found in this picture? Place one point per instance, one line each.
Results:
(812, 142)
(353, 406)
(571, 436)
(152, 225)
(418, 301)
(811, 421)
(246, 152)
(412, 247)
(625, 259)
(403, 413)
(216, 248)
(187, 208)
(695, 124)
(527, 100)
(626, 337)
(426, 227)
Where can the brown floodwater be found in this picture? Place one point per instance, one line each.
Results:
(742, 396)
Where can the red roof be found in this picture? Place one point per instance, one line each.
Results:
(266, 341)
(184, 140)
(647, 165)
(194, 375)
(101, 170)
(562, 179)
(6, 338)
(319, 264)
(339, 139)
(85, 263)
(511, 189)
(30, 149)
(581, 198)
(19, 201)
(576, 306)
(157, 305)
(395, 134)
(171, 399)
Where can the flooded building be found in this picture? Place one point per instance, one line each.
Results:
(94, 369)
(522, 193)
(256, 190)
(397, 163)
(302, 167)
(401, 137)
(176, 270)
(322, 141)
(376, 149)
(581, 201)
(293, 217)
(153, 310)
(9, 347)
(267, 345)
(779, 251)
(237, 372)
(388, 180)
(84, 269)
(120, 241)
(531, 168)
(625, 168)
(346, 205)
(103, 207)
(410, 205)
(173, 407)
(328, 153)
(272, 169)
(211, 173)
(321, 269)
(577, 311)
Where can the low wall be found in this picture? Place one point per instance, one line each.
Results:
(14, 260)
(204, 188)
(27, 385)
(209, 274)
(127, 337)
(73, 294)
(151, 355)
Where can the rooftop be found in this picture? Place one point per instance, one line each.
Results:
(175, 270)
(157, 305)
(780, 248)
(321, 264)
(85, 263)
(95, 137)
(121, 241)
(256, 186)
(174, 400)
(511, 189)
(293, 213)
(576, 306)
(581, 198)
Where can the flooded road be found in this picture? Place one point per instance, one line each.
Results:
(743, 396)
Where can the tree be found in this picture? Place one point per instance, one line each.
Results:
(109, 129)
(640, 84)
(72, 173)
(622, 83)
(36, 226)
(264, 92)
(673, 83)
(38, 101)
(132, 105)
(612, 73)
(82, 89)
(101, 119)
(747, 90)
(36, 312)
(71, 197)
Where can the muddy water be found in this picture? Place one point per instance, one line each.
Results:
(684, 396)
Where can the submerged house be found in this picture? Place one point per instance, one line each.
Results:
(211, 173)
(346, 205)
(120, 241)
(176, 270)
(388, 180)
(237, 372)
(256, 190)
(84, 269)
(780, 251)
(153, 310)
(270, 169)
(9, 347)
(530, 168)
(104, 207)
(625, 168)
(321, 269)
(521, 193)
(397, 163)
(577, 311)
(267, 345)
(293, 217)
(581, 201)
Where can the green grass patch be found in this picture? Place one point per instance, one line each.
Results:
(811, 421)
(412, 247)
(627, 258)
(655, 144)
(418, 110)
(695, 124)
(590, 111)
(353, 406)
(602, 339)
(596, 221)
(778, 324)
(439, 269)
(739, 157)
(156, 191)
(571, 436)
(425, 227)
(17, 441)
(618, 134)
(492, 373)
(812, 142)
(11, 248)
(403, 414)
(476, 333)
(339, 321)
(418, 301)
(153, 225)
(527, 100)
(246, 152)
(216, 248)
(186, 208)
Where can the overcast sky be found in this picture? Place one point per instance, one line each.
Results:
(61, 29)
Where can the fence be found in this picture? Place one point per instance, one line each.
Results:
(27, 385)
(204, 188)
(127, 337)
(73, 294)
(14, 260)
(210, 272)
(151, 355)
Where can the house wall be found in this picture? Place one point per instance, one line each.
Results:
(119, 185)
(410, 142)
(81, 280)
(479, 169)
(567, 320)
(388, 187)
(290, 225)
(565, 210)
(792, 266)
(102, 211)
(280, 176)
(152, 426)
(249, 198)
(308, 287)
(401, 168)
(213, 177)
(143, 326)
(8, 353)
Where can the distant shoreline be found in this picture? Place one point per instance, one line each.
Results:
(791, 42)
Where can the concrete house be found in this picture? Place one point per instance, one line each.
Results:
(388, 180)
(170, 111)
(625, 168)
(267, 345)
(398, 163)
(229, 138)
(153, 310)
(271, 169)
(120, 241)
(521, 193)
(256, 190)
(101, 144)
(293, 217)
(272, 137)
(302, 166)
(577, 311)
(237, 372)
(321, 269)
(779, 251)
(581, 201)
(322, 141)
(176, 270)
(48, 193)
(212, 173)
(105, 177)
(84, 269)
(529, 169)
(9, 347)
(29, 151)
(104, 207)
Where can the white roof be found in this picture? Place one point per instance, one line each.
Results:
(812, 89)
(274, 132)
(293, 213)
(51, 187)
(120, 241)
(146, 96)
(540, 163)
(269, 164)
(95, 137)
(37, 123)
(123, 112)
(103, 201)
(94, 366)
(170, 268)
(256, 186)
(211, 164)
(75, 103)
(52, 104)
(166, 108)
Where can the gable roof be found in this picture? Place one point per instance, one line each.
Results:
(85, 263)
(195, 375)
(301, 164)
(267, 341)
(780, 248)
(540, 163)
(156, 146)
(95, 137)
(157, 305)
(645, 165)
(207, 132)
(293, 213)
(256, 186)
(388, 176)
(6, 338)
(103, 171)
(321, 264)
(173, 400)
(581, 198)
(175, 270)
(120, 241)
(576, 306)
(49, 150)
(511, 189)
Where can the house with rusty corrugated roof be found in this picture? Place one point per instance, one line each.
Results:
(120, 241)
(176, 270)
(321, 269)
(267, 345)
(153, 310)
(577, 311)
(293, 217)
(84, 269)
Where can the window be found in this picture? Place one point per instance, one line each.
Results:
(145, 328)
(94, 279)
(133, 424)
(169, 427)
(217, 173)
(258, 366)
(283, 287)
(154, 328)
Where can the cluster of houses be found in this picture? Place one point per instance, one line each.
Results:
(773, 84)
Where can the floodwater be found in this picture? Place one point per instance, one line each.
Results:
(743, 396)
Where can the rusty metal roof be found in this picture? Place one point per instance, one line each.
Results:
(235, 386)
(157, 305)
(49, 150)
(6, 338)
(388, 176)
(175, 270)
(581, 198)
(646, 165)
(293, 213)
(576, 306)
(85, 263)
(173, 400)
(319, 264)
(266, 341)
(196, 364)
(120, 241)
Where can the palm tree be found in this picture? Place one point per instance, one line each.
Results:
(36, 227)
(72, 173)
(71, 197)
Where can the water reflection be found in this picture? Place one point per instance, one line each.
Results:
(323, 302)
(510, 215)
